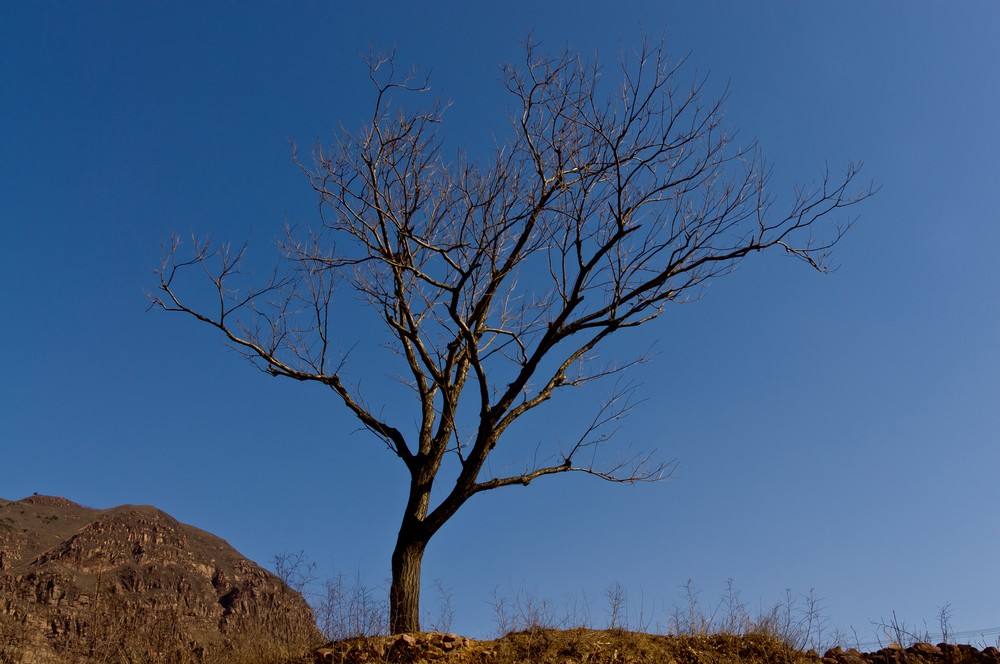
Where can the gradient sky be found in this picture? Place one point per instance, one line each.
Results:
(834, 432)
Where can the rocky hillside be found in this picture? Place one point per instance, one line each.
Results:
(132, 584)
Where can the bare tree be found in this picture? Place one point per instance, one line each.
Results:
(497, 280)
(295, 570)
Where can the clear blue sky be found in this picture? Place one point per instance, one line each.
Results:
(836, 432)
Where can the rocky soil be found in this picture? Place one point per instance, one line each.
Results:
(918, 653)
(132, 584)
(584, 646)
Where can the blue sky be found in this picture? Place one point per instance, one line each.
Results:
(833, 432)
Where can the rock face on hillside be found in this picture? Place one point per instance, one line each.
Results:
(132, 583)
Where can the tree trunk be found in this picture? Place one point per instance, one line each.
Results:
(404, 594)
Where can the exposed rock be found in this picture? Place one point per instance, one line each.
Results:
(918, 653)
(583, 646)
(80, 584)
(838, 654)
(403, 649)
(924, 649)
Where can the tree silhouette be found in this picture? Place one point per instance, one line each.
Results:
(498, 279)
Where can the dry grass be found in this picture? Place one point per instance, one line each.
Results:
(624, 647)
(125, 637)
(13, 638)
(529, 630)
(533, 631)
(575, 646)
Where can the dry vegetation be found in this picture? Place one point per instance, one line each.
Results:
(617, 646)
(123, 637)
(718, 631)
(354, 618)
(13, 638)
(548, 646)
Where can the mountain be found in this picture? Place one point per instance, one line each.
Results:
(133, 584)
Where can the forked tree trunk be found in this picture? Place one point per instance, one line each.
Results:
(414, 533)
(404, 594)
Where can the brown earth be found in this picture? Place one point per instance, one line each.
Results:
(585, 646)
(133, 584)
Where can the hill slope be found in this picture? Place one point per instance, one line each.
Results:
(132, 583)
